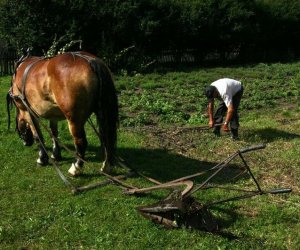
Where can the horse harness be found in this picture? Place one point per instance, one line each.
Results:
(34, 116)
(22, 95)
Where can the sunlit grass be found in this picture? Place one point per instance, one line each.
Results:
(38, 212)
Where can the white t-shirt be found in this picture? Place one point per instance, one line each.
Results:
(227, 88)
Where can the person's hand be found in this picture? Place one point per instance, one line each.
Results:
(211, 123)
(225, 127)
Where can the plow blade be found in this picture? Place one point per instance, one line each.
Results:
(175, 212)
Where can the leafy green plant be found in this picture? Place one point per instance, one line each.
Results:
(54, 50)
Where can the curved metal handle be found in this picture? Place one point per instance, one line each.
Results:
(252, 148)
(280, 190)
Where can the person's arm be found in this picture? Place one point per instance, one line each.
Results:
(210, 111)
(230, 111)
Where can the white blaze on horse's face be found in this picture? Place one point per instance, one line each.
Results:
(24, 129)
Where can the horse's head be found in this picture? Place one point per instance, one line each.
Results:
(22, 125)
(23, 128)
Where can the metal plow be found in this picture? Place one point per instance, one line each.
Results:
(180, 208)
(175, 211)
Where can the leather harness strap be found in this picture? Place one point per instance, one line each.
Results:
(34, 117)
(25, 74)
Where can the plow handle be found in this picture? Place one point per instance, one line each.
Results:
(280, 190)
(252, 148)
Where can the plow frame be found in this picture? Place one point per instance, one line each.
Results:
(191, 188)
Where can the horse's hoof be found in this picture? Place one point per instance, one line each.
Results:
(42, 162)
(106, 167)
(56, 157)
(75, 170)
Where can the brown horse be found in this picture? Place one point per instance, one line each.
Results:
(69, 86)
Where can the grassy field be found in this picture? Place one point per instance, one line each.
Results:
(38, 212)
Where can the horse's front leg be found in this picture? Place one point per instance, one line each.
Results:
(43, 156)
(80, 142)
(56, 150)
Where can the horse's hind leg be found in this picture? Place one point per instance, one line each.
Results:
(56, 150)
(106, 166)
(80, 142)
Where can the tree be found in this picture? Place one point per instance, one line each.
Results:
(247, 29)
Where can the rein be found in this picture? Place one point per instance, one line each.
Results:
(34, 117)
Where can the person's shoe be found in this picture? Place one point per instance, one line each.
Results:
(234, 134)
(217, 132)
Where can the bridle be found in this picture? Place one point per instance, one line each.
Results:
(11, 98)
(21, 97)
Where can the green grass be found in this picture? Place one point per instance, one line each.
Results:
(38, 212)
(165, 98)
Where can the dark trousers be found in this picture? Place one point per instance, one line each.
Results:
(222, 110)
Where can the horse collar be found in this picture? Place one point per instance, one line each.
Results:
(21, 96)
(25, 74)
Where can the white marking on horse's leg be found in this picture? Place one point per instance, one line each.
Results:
(56, 151)
(106, 167)
(40, 162)
(75, 170)
(43, 158)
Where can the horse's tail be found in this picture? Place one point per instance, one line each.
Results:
(8, 107)
(107, 111)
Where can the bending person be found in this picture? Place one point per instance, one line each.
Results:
(229, 92)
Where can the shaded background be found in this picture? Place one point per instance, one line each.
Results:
(132, 33)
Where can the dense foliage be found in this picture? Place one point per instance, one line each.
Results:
(244, 30)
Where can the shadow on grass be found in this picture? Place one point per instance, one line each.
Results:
(268, 135)
(160, 164)
(165, 166)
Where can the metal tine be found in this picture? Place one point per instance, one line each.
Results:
(209, 186)
(100, 184)
(184, 180)
(209, 178)
(219, 167)
(250, 173)
(189, 186)
(249, 195)
(226, 161)
(245, 196)
(116, 180)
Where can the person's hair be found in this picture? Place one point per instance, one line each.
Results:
(209, 91)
